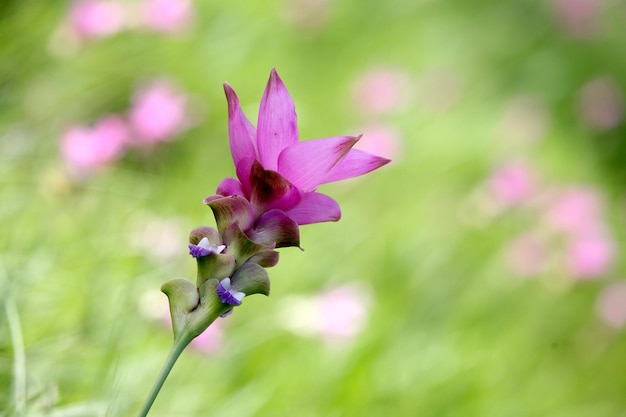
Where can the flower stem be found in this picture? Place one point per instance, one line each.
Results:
(177, 348)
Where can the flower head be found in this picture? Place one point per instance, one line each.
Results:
(86, 149)
(275, 171)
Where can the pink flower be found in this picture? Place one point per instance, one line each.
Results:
(511, 184)
(381, 140)
(575, 210)
(277, 174)
(335, 315)
(87, 149)
(342, 312)
(611, 304)
(211, 340)
(579, 18)
(602, 104)
(589, 256)
(96, 18)
(167, 15)
(157, 113)
(381, 91)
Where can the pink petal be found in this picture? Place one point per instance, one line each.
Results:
(270, 190)
(306, 164)
(277, 128)
(315, 208)
(243, 168)
(228, 187)
(274, 227)
(355, 163)
(240, 131)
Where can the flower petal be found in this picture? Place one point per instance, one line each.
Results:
(355, 163)
(271, 190)
(241, 246)
(265, 258)
(306, 164)
(251, 279)
(277, 126)
(229, 186)
(241, 132)
(229, 210)
(315, 208)
(274, 227)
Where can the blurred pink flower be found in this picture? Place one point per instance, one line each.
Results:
(157, 113)
(589, 256)
(601, 104)
(167, 15)
(96, 18)
(380, 139)
(511, 184)
(575, 210)
(579, 18)
(87, 149)
(211, 340)
(611, 304)
(381, 91)
(342, 312)
(335, 315)
(526, 255)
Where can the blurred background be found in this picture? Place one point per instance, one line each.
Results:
(478, 274)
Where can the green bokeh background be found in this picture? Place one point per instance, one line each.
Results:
(451, 331)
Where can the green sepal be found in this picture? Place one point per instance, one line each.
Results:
(183, 299)
(240, 245)
(251, 279)
(215, 265)
(229, 210)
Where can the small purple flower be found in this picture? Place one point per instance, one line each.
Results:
(275, 171)
(228, 293)
(205, 248)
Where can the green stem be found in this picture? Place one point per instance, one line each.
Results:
(177, 348)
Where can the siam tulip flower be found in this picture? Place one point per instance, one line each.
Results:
(511, 184)
(167, 15)
(601, 104)
(96, 18)
(381, 91)
(574, 211)
(334, 315)
(274, 193)
(157, 113)
(578, 18)
(589, 255)
(277, 174)
(88, 149)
